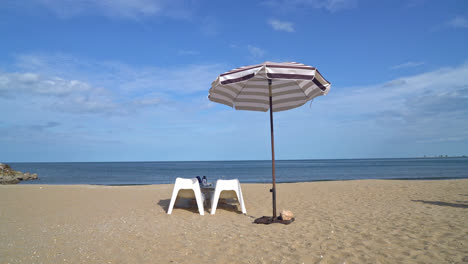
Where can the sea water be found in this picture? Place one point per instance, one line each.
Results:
(258, 171)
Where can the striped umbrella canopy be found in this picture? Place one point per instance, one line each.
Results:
(246, 88)
(269, 86)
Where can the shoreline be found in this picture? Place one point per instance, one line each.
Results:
(243, 182)
(357, 221)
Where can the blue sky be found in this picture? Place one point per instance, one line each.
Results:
(127, 80)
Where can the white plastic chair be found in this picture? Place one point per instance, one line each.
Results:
(187, 188)
(226, 189)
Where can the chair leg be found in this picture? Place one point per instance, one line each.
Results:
(241, 201)
(173, 199)
(208, 200)
(214, 202)
(198, 197)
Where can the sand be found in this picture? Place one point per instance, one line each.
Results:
(364, 221)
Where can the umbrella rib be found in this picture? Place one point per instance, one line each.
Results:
(301, 87)
(240, 91)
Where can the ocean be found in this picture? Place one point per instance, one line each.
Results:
(258, 171)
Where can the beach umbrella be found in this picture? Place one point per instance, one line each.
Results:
(269, 86)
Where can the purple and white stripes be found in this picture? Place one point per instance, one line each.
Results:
(246, 88)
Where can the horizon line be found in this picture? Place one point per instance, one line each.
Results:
(146, 161)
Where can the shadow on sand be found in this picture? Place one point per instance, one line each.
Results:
(456, 205)
(191, 205)
(184, 204)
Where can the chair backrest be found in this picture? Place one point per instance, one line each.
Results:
(184, 183)
(228, 184)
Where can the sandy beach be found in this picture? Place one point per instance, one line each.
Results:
(363, 221)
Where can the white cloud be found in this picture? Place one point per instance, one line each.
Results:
(33, 83)
(335, 5)
(409, 64)
(414, 3)
(420, 107)
(330, 5)
(256, 52)
(188, 52)
(394, 95)
(458, 22)
(281, 25)
(209, 26)
(147, 101)
(185, 80)
(56, 94)
(417, 115)
(125, 9)
(67, 84)
(52, 95)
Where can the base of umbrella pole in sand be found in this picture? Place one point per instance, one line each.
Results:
(266, 220)
(286, 217)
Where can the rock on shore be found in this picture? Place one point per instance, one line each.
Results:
(10, 176)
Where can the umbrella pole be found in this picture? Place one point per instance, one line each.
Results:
(273, 190)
